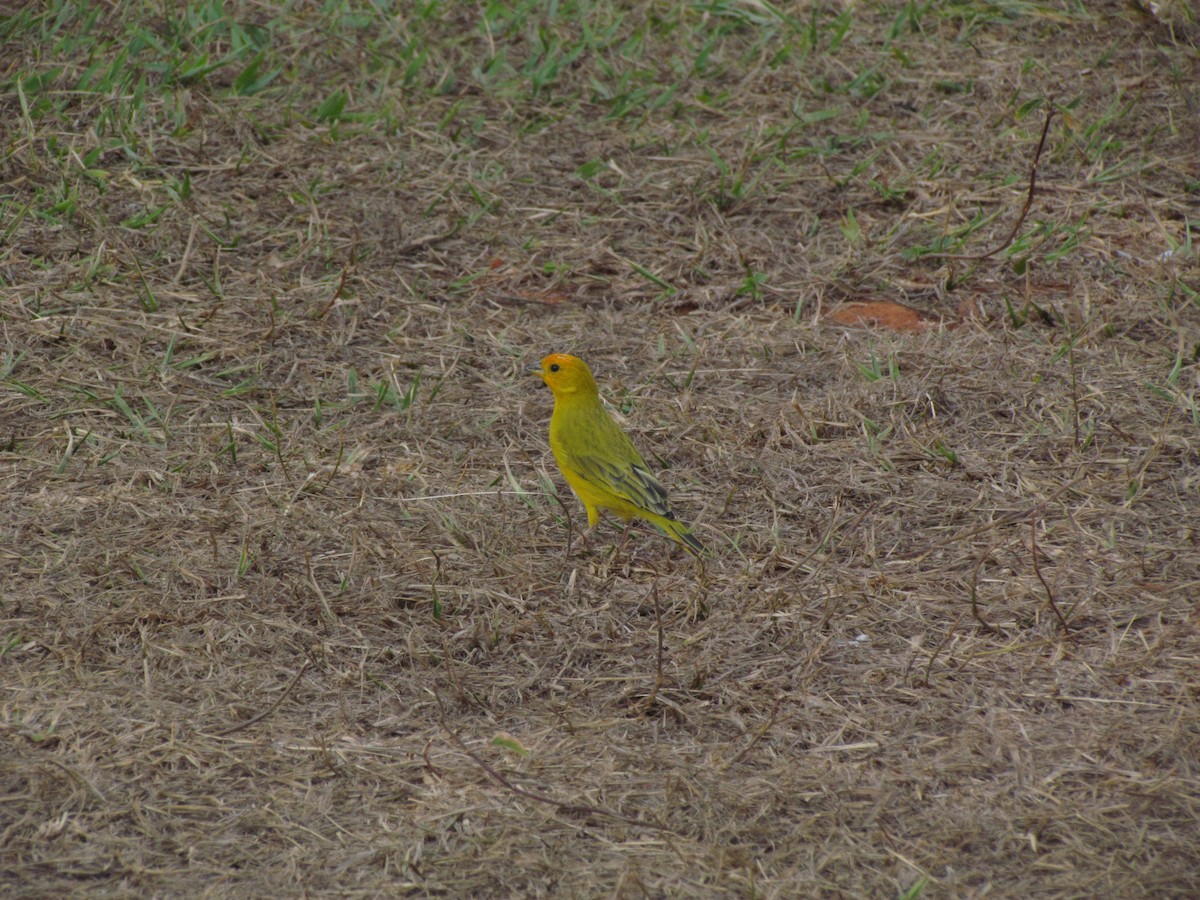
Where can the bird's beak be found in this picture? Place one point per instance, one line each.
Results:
(536, 370)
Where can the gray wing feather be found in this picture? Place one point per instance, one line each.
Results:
(609, 460)
(630, 482)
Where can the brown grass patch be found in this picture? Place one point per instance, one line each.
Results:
(281, 560)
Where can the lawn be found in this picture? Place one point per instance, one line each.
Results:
(900, 300)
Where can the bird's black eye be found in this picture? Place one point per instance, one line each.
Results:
(555, 367)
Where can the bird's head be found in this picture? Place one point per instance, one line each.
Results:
(565, 374)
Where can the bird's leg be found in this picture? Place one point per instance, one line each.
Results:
(621, 543)
(585, 538)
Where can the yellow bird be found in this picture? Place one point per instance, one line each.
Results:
(598, 460)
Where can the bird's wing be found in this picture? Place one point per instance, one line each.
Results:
(628, 481)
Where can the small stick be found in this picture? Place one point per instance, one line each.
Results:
(1010, 518)
(560, 805)
(337, 293)
(330, 618)
(270, 709)
(570, 526)
(758, 736)
(1038, 571)
(1024, 211)
(937, 651)
(658, 676)
(974, 591)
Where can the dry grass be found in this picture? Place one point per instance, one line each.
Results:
(282, 556)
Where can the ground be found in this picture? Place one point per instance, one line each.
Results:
(295, 601)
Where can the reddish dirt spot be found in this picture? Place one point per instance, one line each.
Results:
(883, 313)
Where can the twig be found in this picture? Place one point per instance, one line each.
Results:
(658, 676)
(974, 593)
(78, 777)
(561, 503)
(1024, 210)
(428, 240)
(1139, 479)
(1037, 570)
(270, 709)
(758, 736)
(330, 618)
(336, 294)
(570, 526)
(560, 805)
(937, 651)
(1008, 518)
(824, 542)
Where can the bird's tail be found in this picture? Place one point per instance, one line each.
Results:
(680, 533)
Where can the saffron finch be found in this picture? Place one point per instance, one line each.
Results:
(598, 460)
